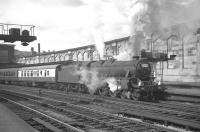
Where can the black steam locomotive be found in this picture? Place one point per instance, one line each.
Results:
(132, 79)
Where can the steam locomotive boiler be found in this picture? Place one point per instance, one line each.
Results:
(133, 79)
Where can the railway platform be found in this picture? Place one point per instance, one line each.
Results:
(10, 122)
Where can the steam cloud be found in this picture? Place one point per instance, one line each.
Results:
(89, 78)
(92, 80)
(150, 18)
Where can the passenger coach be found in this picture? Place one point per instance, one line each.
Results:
(8, 75)
(38, 75)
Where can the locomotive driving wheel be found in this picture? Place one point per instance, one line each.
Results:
(136, 95)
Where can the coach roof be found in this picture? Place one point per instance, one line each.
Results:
(40, 67)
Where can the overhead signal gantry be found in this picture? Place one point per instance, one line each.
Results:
(16, 32)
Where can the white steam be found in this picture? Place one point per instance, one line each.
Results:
(113, 84)
(92, 80)
(150, 18)
(99, 41)
(89, 78)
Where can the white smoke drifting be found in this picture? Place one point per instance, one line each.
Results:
(92, 80)
(113, 84)
(89, 78)
(99, 41)
(150, 18)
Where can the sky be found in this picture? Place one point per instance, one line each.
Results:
(64, 24)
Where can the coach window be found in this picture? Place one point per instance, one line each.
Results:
(34, 73)
(47, 72)
(31, 73)
(40, 73)
(21, 73)
(24, 73)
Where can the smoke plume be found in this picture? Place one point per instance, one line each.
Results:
(99, 41)
(113, 84)
(90, 77)
(150, 18)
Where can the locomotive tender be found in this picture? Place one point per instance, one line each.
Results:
(135, 79)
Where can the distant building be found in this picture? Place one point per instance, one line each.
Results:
(7, 54)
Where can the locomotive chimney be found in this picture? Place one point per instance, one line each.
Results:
(38, 48)
(32, 51)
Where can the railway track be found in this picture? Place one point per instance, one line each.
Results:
(41, 122)
(179, 115)
(167, 113)
(84, 117)
(184, 98)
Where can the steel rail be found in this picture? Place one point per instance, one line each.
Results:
(107, 119)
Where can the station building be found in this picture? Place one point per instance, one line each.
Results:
(7, 54)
